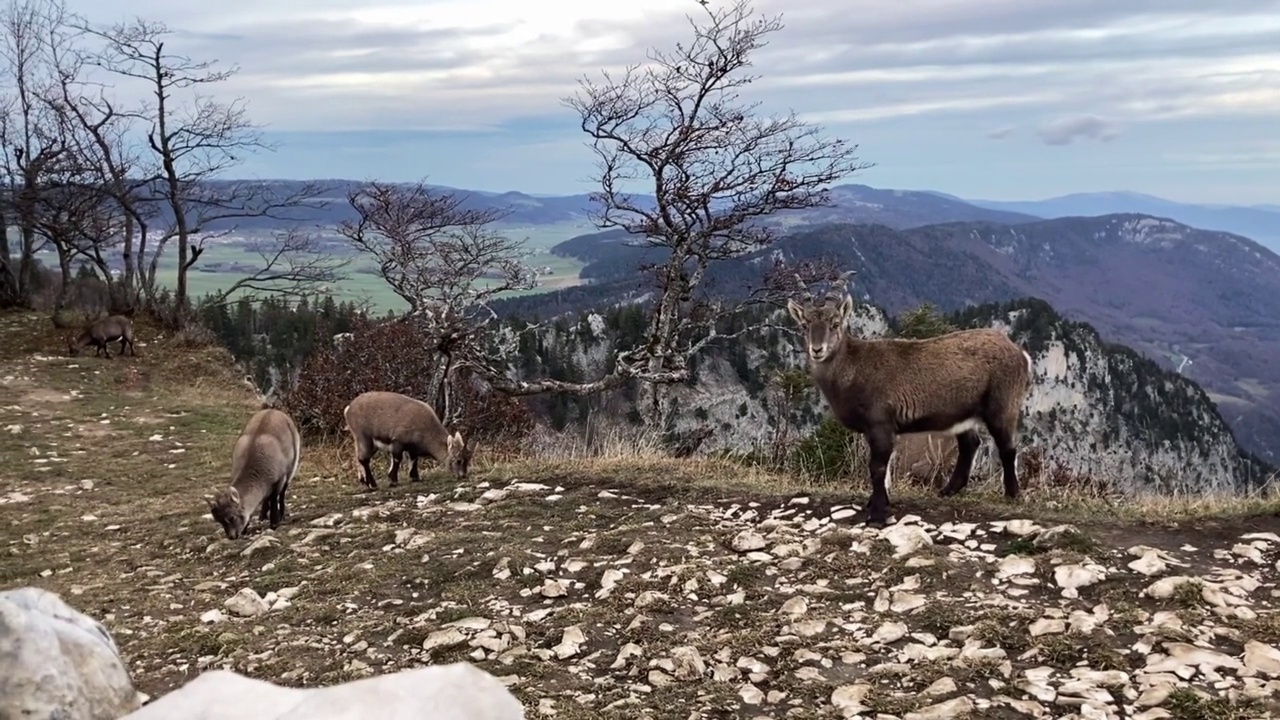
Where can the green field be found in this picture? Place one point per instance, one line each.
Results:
(366, 286)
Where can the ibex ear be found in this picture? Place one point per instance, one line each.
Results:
(846, 307)
(235, 495)
(797, 312)
(209, 501)
(451, 442)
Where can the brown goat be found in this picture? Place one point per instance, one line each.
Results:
(949, 383)
(264, 460)
(401, 424)
(102, 331)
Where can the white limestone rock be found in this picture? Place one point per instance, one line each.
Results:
(459, 691)
(56, 662)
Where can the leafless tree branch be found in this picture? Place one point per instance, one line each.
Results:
(715, 166)
(446, 261)
(191, 140)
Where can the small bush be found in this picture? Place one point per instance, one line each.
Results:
(923, 322)
(193, 335)
(393, 356)
(831, 453)
(495, 420)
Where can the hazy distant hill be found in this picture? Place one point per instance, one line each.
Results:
(1260, 223)
(899, 209)
(1169, 290)
(853, 203)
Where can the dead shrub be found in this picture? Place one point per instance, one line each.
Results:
(394, 357)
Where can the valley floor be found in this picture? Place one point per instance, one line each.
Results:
(615, 588)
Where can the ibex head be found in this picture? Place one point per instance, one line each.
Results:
(824, 323)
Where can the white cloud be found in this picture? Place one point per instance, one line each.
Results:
(1065, 130)
(954, 72)
(450, 63)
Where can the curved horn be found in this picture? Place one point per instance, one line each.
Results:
(838, 288)
(804, 288)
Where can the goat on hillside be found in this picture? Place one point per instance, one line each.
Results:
(401, 424)
(102, 331)
(886, 387)
(264, 460)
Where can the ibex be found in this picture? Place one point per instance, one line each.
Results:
(264, 460)
(883, 388)
(401, 424)
(102, 331)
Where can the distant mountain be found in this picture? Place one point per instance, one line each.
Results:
(1260, 223)
(1171, 291)
(852, 203)
(332, 207)
(899, 209)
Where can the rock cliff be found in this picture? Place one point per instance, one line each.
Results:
(1098, 410)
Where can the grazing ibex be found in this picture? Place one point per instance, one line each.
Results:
(264, 460)
(402, 424)
(883, 388)
(102, 331)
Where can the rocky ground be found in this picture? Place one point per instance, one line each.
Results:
(612, 589)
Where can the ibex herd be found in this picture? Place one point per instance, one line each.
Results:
(265, 457)
(880, 388)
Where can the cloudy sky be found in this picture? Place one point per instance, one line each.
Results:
(997, 99)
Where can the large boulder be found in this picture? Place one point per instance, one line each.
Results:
(459, 691)
(58, 664)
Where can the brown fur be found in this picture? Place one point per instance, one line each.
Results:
(883, 388)
(102, 331)
(264, 460)
(402, 425)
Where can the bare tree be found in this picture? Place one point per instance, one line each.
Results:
(444, 260)
(31, 142)
(107, 166)
(192, 139)
(715, 167)
(77, 209)
(716, 170)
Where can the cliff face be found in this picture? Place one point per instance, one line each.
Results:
(1097, 410)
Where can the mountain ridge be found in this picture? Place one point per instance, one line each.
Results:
(853, 202)
(1260, 223)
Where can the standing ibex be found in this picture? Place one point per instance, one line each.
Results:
(264, 460)
(402, 424)
(883, 388)
(102, 331)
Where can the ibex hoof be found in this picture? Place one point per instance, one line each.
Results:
(871, 518)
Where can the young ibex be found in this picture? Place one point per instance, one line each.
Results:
(883, 388)
(102, 331)
(264, 460)
(401, 424)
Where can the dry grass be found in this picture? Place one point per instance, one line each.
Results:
(107, 462)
